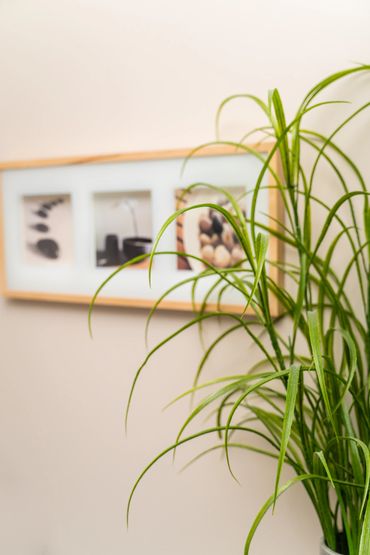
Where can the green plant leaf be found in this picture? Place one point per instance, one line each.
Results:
(315, 337)
(290, 406)
(364, 548)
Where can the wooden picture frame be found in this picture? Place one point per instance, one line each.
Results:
(82, 190)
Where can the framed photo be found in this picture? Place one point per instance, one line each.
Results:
(67, 224)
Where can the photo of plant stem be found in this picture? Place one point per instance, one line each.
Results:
(308, 396)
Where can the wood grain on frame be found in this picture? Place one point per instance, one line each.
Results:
(275, 210)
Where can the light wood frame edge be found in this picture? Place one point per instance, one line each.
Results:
(275, 208)
(210, 149)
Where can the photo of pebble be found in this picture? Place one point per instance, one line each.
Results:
(123, 227)
(47, 230)
(205, 232)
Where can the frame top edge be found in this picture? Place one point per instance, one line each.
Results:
(210, 149)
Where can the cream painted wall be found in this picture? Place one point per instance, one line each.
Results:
(86, 77)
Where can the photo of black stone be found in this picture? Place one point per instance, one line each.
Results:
(42, 228)
(217, 221)
(123, 227)
(41, 214)
(51, 242)
(48, 248)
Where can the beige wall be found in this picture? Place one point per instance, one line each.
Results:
(85, 77)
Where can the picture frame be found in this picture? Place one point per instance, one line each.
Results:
(67, 223)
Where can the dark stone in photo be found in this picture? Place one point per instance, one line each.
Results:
(43, 228)
(48, 248)
(41, 213)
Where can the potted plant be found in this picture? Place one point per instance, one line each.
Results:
(308, 397)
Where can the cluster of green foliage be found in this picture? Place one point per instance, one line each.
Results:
(307, 398)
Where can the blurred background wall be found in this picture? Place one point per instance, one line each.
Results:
(92, 77)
